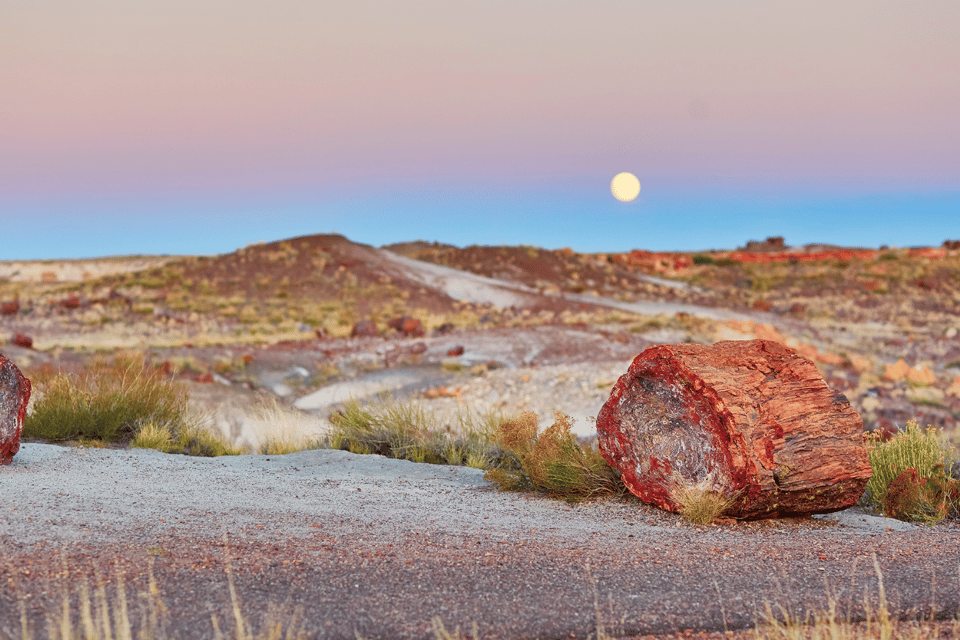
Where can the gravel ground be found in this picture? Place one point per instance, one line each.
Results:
(379, 548)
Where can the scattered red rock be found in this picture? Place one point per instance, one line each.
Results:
(762, 305)
(21, 340)
(364, 329)
(205, 378)
(165, 368)
(10, 308)
(829, 358)
(861, 364)
(14, 396)
(750, 419)
(72, 302)
(894, 372)
(417, 348)
(954, 388)
(409, 327)
(456, 351)
(442, 392)
(927, 252)
(800, 255)
(652, 262)
(921, 375)
(765, 331)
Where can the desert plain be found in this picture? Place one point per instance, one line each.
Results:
(376, 548)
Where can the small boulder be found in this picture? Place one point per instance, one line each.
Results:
(14, 396)
(10, 308)
(364, 329)
(921, 375)
(456, 351)
(407, 326)
(894, 372)
(71, 302)
(21, 340)
(444, 328)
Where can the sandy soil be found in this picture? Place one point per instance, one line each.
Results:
(380, 547)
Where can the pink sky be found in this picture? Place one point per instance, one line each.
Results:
(110, 99)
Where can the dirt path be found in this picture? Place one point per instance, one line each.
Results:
(380, 547)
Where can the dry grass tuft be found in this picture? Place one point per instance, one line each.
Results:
(283, 430)
(699, 503)
(551, 461)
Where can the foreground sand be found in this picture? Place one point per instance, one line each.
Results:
(380, 547)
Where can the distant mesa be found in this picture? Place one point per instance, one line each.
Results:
(772, 243)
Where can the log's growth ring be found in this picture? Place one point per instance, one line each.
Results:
(753, 420)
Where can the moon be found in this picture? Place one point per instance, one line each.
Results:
(625, 187)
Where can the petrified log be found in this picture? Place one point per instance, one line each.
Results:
(14, 396)
(751, 420)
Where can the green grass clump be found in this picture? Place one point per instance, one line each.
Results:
(109, 402)
(406, 431)
(909, 480)
(551, 461)
(121, 401)
(190, 439)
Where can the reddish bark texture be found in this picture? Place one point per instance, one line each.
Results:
(752, 419)
(14, 395)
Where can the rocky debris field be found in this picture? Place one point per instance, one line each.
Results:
(276, 319)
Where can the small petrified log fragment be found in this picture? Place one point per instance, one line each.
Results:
(364, 329)
(14, 396)
(407, 326)
(752, 420)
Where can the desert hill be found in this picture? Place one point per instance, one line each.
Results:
(293, 303)
(328, 283)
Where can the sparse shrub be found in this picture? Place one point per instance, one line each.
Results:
(910, 497)
(727, 262)
(189, 439)
(551, 461)
(110, 402)
(701, 259)
(922, 494)
(408, 432)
